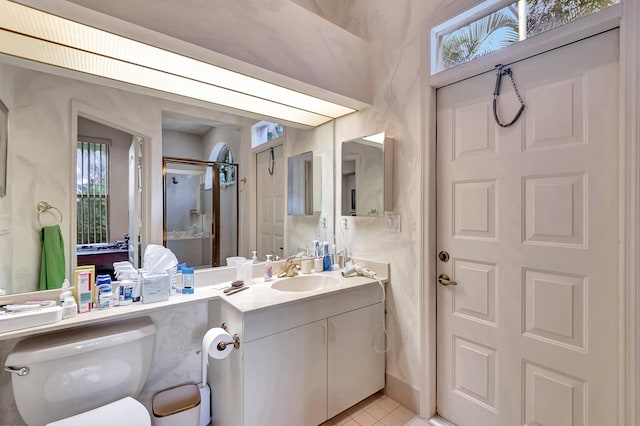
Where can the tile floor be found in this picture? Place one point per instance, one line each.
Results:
(377, 410)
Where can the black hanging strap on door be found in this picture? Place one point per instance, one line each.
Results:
(505, 71)
(272, 163)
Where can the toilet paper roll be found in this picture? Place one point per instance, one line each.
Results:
(210, 343)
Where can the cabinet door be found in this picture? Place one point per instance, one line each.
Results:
(285, 377)
(355, 357)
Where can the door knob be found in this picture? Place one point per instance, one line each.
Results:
(443, 256)
(444, 280)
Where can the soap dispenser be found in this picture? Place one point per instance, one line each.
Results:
(268, 270)
(254, 258)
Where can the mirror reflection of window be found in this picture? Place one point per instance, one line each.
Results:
(92, 190)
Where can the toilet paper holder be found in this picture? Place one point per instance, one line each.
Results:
(236, 339)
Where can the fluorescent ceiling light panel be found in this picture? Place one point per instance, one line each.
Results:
(38, 36)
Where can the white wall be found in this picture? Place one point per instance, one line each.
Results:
(182, 145)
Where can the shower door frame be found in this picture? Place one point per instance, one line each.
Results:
(215, 208)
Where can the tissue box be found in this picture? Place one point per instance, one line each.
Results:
(155, 287)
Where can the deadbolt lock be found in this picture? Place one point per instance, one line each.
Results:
(444, 256)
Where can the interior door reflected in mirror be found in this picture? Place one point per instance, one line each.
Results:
(367, 176)
(303, 184)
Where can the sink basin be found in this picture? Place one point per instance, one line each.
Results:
(305, 283)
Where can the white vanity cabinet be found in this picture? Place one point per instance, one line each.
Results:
(305, 362)
(355, 355)
(286, 377)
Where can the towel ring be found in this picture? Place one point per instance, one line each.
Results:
(43, 207)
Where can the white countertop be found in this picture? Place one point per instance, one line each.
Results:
(258, 296)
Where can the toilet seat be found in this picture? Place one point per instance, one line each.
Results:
(123, 412)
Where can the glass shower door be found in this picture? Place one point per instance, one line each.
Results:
(188, 212)
(200, 211)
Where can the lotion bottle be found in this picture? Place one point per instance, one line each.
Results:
(254, 258)
(268, 270)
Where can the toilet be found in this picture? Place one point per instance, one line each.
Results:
(84, 376)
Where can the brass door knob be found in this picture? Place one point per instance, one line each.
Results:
(444, 280)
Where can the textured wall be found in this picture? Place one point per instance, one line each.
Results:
(397, 32)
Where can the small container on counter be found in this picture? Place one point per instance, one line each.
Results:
(126, 292)
(187, 280)
(69, 307)
(105, 296)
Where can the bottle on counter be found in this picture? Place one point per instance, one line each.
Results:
(268, 270)
(254, 258)
(187, 280)
(69, 307)
(326, 258)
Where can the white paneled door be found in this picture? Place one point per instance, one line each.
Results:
(529, 217)
(270, 186)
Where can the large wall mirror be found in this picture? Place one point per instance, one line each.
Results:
(367, 176)
(51, 110)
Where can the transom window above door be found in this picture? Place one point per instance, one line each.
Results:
(495, 24)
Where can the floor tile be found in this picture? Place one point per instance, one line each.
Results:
(387, 403)
(391, 420)
(340, 419)
(377, 411)
(352, 411)
(403, 413)
(417, 421)
(365, 419)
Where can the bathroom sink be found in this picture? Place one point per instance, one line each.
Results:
(305, 283)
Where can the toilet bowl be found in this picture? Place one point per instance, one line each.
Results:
(86, 375)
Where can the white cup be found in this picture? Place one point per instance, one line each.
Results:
(306, 266)
(244, 271)
(317, 264)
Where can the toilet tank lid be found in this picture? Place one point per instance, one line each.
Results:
(46, 347)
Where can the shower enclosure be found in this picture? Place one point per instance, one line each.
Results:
(200, 210)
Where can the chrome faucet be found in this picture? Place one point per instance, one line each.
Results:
(290, 268)
(275, 256)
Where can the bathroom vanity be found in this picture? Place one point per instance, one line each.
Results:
(309, 349)
(302, 361)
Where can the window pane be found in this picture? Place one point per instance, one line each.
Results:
(92, 192)
(544, 15)
(501, 28)
(488, 34)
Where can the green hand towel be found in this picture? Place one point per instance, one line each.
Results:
(52, 269)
